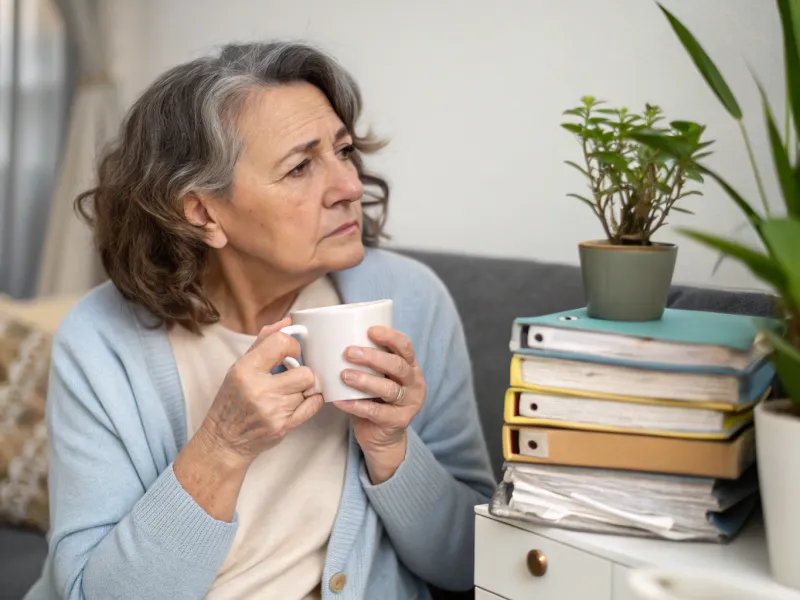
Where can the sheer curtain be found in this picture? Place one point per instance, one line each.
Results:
(34, 94)
(69, 263)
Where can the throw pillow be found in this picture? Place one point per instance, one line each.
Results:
(24, 370)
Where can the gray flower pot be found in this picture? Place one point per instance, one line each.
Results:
(626, 283)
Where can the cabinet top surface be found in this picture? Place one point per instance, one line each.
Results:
(745, 556)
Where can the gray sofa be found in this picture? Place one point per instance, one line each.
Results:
(489, 294)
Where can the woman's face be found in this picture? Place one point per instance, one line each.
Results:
(295, 204)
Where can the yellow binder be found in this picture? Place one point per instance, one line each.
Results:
(730, 421)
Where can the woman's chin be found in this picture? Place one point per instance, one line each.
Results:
(344, 256)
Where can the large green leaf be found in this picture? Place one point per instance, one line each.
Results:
(788, 15)
(761, 265)
(786, 359)
(795, 6)
(782, 237)
(752, 216)
(705, 65)
(786, 175)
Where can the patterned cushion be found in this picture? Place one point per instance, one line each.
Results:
(24, 368)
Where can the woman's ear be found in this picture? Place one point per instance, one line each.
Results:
(200, 212)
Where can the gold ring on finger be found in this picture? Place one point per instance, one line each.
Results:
(401, 392)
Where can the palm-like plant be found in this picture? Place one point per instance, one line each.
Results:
(778, 263)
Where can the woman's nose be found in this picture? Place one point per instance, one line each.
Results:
(344, 184)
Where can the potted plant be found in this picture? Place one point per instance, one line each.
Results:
(776, 263)
(632, 189)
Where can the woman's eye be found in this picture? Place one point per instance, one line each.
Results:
(347, 151)
(299, 169)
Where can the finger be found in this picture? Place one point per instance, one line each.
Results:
(268, 330)
(379, 387)
(294, 381)
(271, 351)
(380, 414)
(397, 342)
(307, 409)
(392, 365)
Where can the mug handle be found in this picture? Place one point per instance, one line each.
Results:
(300, 331)
(291, 363)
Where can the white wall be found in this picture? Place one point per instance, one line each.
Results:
(471, 94)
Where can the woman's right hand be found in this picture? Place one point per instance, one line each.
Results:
(254, 409)
(252, 412)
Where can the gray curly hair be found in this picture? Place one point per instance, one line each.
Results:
(180, 136)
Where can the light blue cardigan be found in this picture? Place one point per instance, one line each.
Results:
(123, 527)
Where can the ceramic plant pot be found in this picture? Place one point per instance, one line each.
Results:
(778, 456)
(626, 283)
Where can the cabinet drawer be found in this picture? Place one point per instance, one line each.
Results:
(501, 566)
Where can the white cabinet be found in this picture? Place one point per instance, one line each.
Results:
(586, 566)
(556, 570)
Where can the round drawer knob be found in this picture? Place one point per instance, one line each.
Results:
(537, 563)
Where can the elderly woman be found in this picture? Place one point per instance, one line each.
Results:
(186, 462)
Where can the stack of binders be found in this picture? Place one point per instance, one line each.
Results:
(642, 428)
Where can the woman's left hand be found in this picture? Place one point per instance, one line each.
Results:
(380, 425)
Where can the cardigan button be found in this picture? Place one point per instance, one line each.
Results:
(337, 582)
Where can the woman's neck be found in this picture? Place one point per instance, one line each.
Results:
(250, 296)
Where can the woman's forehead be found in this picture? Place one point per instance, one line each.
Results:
(281, 118)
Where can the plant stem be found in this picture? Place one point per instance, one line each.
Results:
(600, 212)
(755, 167)
(671, 200)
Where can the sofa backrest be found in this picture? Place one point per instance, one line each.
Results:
(490, 293)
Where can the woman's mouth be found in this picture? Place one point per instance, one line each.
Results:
(346, 229)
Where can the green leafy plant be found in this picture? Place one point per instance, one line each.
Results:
(778, 262)
(633, 186)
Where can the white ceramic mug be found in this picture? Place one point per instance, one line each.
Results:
(325, 333)
(696, 583)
